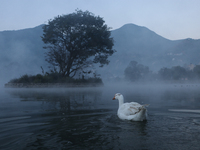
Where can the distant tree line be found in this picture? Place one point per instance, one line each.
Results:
(179, 73)
(139, 72)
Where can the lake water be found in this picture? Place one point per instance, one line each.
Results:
(86, 118)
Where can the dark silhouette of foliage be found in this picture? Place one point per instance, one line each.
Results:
(75, 41)
(139, 72)
(196, 71)
(178, 73)
(53, 78)
(136, 71)
(175, 73)
(165, 73)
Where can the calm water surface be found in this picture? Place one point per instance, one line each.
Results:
(86, 118)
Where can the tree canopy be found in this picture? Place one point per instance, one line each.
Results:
(174, 73)
(136, 71)
(77, 40)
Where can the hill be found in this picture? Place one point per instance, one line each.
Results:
(138, 43)
(22, 51)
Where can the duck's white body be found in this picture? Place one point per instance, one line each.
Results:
(130, 111)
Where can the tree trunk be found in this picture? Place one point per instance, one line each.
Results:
(69, 65)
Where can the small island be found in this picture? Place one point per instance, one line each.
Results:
(53, 80)
(74, 44)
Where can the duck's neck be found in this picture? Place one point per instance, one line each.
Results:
(121, 100)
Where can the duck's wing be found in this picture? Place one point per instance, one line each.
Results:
(134, 108)
(130, 108)
(135, 104)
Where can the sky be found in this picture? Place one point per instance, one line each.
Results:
(172, 19)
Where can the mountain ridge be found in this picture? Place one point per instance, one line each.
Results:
(22, 51)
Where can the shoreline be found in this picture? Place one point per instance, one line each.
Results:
(50, 85)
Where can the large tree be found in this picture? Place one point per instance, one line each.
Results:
(77, 40)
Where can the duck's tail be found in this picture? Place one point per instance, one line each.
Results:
(141, 115)
(146, 105)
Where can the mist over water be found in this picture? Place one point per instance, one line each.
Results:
(86, 118)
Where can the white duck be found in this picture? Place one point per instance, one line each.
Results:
(130, 111)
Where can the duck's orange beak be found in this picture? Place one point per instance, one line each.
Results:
(113, 98)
